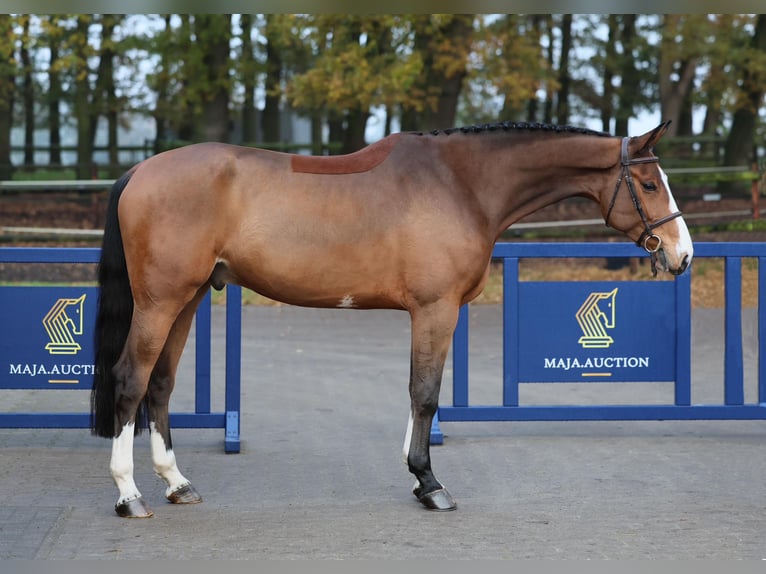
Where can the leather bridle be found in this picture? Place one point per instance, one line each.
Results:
(647, 236)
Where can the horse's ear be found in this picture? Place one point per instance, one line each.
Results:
(641, 144)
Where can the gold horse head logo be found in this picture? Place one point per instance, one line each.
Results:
(594, 321)
(62, 323)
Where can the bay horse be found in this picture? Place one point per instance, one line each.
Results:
(406, 223)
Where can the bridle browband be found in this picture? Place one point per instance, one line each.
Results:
(647, 235)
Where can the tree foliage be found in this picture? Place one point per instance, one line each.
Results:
(198, 75)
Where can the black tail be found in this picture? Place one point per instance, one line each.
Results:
(115, 309)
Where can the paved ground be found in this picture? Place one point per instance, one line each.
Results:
(320, 472)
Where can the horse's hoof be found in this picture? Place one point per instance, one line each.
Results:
(135, 508)
(439, 500)
(185, 494)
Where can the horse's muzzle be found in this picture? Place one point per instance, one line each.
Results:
(682, 266)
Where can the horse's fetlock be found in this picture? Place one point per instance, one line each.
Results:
(163, 469)
(120, 468)
(418, 463)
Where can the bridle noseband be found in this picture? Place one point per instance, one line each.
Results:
(647, 235)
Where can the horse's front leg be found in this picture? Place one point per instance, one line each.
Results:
(432, 329)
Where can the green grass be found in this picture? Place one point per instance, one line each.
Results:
(744, 225)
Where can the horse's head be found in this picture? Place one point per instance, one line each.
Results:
(74, 314)
(642, 206)
(609, 313)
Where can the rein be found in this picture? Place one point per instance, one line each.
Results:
(647, 235)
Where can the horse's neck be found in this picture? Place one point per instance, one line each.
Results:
(515, 178)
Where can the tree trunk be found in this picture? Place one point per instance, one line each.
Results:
(411, 117)
(355, 115)
(248, 70)
(610, 68)
(272, 129)
(739, 148)
(353, 134)
(104, 99)
(112, 116)
(408, 119)
(213, 33)
(317, 146)
(440, 87)
(674, 93)
(630, 76)
(685, 123)
(548, 105)
(448, 84)
(716, 83)
(562, 99)
(7, 89)
(739, 144)
(54, 96)
(28, 95)
(185, 124)
(335, 128)
(533, 104)
(82, 105)
(162, 87)
(512, 109)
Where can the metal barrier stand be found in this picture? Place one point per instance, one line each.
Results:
(202, 417)
(733, 406)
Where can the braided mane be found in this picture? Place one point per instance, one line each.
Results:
(517, 126)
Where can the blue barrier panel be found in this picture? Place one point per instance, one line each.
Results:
(595, 331)
(586, 331)
(47, 343)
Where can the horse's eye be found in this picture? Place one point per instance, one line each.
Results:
(649, 186)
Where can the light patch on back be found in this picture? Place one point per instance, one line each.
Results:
(684, 245)
(347, 302)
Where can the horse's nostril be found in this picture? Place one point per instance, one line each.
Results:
(684, 263)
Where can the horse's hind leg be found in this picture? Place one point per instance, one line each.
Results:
(179, 488)
(146, 339)
(432, 329)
